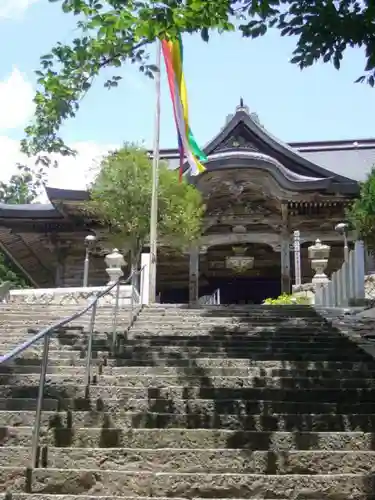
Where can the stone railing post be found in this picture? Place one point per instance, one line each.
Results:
(145, 281)
(359, 258)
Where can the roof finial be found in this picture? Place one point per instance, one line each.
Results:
(242, 106)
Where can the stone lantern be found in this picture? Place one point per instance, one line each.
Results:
(318, 256)
(115, 262)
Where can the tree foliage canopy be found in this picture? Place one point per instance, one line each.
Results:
(114, 32)
(362, 212)
(121, 199)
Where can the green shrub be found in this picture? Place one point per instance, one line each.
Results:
(285, 300)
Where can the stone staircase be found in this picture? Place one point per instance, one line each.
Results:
(240, 402)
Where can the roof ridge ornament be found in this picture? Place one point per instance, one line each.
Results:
(242, 107)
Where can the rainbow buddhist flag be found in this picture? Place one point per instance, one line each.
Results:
(173, 58)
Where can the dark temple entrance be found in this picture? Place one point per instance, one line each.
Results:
(244, 290)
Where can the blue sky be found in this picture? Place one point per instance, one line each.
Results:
(317, 104)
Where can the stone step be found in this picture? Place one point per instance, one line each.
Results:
(106, 313)
(78, 324)
(284, 310)
(144, 352)
(231, 342)
(198, 460)
(215, 329)
(150, 372)
(203, 381)
(178, 438)
(235, 351)
(201, 337)
(234, 319)
(76, 358)
(92, 481)
(35, 320)
(44, 496)
(158, 330)
(148, 358)
(304, 422)
(317, 395)
(210, 344)
(145, 357)
(250, 337)
(196, 408)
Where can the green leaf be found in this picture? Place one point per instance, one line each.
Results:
(121, 197)
(116, 32)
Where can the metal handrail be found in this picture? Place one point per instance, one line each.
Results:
(46, 334)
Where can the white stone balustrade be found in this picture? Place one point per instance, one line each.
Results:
(347, 284)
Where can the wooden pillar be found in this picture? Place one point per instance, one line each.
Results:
(194, 276)
(285, 250)
(61, 253)
(60, 250)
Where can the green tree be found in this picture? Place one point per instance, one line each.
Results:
(362, 212)
(22, 188)
(120, 198)
(114, 32)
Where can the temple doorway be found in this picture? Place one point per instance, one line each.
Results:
(245, 290)
(245, 273)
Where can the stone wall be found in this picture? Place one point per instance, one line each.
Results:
(69, 296)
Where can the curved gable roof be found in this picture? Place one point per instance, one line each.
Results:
(242, 123)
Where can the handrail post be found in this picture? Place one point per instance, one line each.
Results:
(89, 346)
(38, 415)
(114, 318)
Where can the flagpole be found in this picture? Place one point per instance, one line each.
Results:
(155, 181)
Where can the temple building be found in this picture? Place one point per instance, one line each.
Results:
(257, 190)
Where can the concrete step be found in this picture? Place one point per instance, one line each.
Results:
(100, 436)
(162, 418)
(198, 460)
(202, 381)
(92, 481)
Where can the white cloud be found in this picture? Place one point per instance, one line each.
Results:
(78, 172)
(16, 108)
(16, 101)
(14, 9)
(71, 173)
